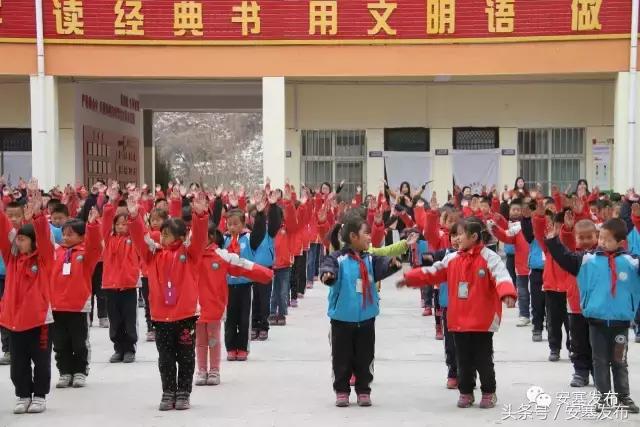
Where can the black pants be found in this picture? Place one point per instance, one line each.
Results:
(298, 277)
(556, 307)
(122, 307)
(427, 296)
(511, 267)
(537, 300)
(236, 327)
(579, 343)
(5, 335)
(98, 294)
(609, 345)
(30, 346)
(474, 352)
(176, 344)
(145, 296)
(260, 306)
(71, 342)
(449, 348)
(352, 352)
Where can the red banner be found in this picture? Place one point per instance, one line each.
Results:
(314, 22)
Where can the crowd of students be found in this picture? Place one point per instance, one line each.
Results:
(196, 257)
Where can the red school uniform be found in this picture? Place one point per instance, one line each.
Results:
(121, 261)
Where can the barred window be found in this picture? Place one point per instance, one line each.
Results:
(332, 156)
(475, 138)
(406, 139)
(551, 156)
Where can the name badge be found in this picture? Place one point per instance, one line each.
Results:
(463, 290)
(66, 269)
(359, 286)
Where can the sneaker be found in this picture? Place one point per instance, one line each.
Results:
(628, 404)
(201, 378)
(104, 323)
(536, 336)
(151, 336)
(116, 357)
(579, 381)
(364, 400)
(22, 405)
(5, 359)
(300, 296)
(427, 311)
(232, 355)
(294, 303)
(38, 405)
(129, 357)
(272, 319)
(79, 380)
(352, 380)
(64, 381)
(168, 401)
(554, 356)
(342, 400)
(452, 383)
(523, 321)
(213, 378)
(488, 401)
(242, 356)
(254, 334)
(182, 401)
(281, 321)
(465, 400)
(263, 335)
(439, 333)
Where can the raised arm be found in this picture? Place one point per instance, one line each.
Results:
(568, 261)
(199, 227)
(505, 236)
(241, 267)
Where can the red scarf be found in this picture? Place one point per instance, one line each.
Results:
(234, 246)
(367, 297)
(612, 266)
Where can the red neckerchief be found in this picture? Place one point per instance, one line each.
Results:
(364, 276)
(234, 245)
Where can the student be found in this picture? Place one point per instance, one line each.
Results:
(15, 214)
(59, 215)
(25, 309)
(353, 300)
(609, 296)
(121, 273)
(173, 296)
(478, 280)
(216, 263)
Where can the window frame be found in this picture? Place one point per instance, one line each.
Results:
(427, 142)
(494, 129)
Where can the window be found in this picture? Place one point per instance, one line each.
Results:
(553, 156)
(475, 138)
(332, 156)
(15, 154)
(406, 139)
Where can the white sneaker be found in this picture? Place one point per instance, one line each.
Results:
(64, 381)
(201, 378)
(38, 405)
(79, 380)
(22, 405)
(523, 321)
(213, 378)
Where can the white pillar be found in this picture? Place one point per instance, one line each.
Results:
(44, 130)
(273, 129)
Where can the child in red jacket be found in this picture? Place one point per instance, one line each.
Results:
(477, 283)
(73, 265)
(25, 309)
(173, 296)
(120, 277)
(213, 290)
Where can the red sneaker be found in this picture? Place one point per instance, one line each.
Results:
(342, 400)
(427, 311)
(364, 400)
(452, 383)
(439, 333)
(242, 355)
(352, 380)
(488, 401)
(232, 355)
(465, 401)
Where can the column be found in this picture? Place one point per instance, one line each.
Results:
(375, 165)
(273, 129)
(621, 147)
(44, 131)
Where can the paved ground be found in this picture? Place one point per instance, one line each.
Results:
(287, 381)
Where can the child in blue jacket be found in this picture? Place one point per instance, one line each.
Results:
(353, 306)
(609, 286)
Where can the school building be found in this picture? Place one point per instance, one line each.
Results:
(472, 91)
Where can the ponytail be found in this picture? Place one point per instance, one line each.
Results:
(474, 225)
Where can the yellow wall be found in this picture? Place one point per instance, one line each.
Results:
(446, 105)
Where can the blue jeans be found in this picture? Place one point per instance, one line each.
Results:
(280, 292)
(313, 261)
(522, 283)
